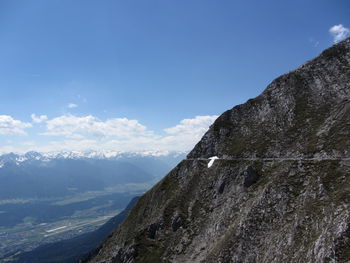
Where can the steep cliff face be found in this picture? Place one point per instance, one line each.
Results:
(301, 114)
(279, 192)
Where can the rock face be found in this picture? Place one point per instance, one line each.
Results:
(302, 114)
(279, 192)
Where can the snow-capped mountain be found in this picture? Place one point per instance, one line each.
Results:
(16, 158)
(35, 174)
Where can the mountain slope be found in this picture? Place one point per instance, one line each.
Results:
(279, 192)
(301, 114)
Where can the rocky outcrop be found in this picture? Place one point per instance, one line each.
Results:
(301, 114)
(279, 192)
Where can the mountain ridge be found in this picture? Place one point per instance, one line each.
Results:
(279, 191)
(273, 112)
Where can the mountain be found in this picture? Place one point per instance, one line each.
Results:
(71, 250)
(47, 197)
(278, 192)
(37, 175)
(30, 157)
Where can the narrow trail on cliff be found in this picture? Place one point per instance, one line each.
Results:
(272, 159)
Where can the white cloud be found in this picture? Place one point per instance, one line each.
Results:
(10, 126)
(38, 119)
(72, 105)
(339, 32)
(186, 134)
(85, 133)
(70, 145)
(181, 137)
(195, 127)
(71, 126)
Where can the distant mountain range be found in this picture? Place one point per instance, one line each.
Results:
(46, 175)
(70, 187)
(16, 158)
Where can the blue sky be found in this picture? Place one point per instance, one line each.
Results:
(145, 75)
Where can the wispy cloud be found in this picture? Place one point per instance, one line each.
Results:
(38, 119)
(10, 126)
(339, 32)
(314, 42)
(72, 105)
